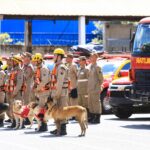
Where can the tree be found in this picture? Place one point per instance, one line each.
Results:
(5, 39)
(98, 32)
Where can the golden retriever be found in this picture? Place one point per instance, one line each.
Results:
(20, 112)
(17, 112)
(59, 114)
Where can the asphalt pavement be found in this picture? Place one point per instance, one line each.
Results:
(111, 134)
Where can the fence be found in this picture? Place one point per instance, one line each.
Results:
(6, 50)
(67, 39)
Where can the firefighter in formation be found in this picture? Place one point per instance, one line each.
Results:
(59, 85)
(27, 78)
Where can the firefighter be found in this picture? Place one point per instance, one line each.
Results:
(95, 80)
(72, 73)
(2, 93)
(59, 85)
(28, 80)
(15, 85)
(41, 87)
(8, 99)
(28, 76)
(82, 83)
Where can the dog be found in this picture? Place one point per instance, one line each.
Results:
(17, 112)
(21, 112)
(34, 113)
(59, 114)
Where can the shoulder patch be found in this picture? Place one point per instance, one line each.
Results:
(63, 67)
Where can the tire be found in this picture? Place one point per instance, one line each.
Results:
(106, 108)
(122, 113)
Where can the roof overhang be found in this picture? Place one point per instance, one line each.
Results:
(72, 9)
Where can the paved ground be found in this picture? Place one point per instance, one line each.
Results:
(111, 134)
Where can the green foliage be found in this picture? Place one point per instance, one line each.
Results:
(5, 39)
(19, 43)
(98, 30)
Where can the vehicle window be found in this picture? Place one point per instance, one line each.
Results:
(109, 68)
(126, 67)
(97, 47)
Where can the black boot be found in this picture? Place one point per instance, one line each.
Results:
(96, 119)
(88, 114)
(13, 124)
(73, 118)
(1, 123)
(54, 132)
(8, 120)
(43, 127)
(63, 129)
(27, 121)
(91, 117)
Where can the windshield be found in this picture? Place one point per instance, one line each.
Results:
(142, 40)
(109, 68)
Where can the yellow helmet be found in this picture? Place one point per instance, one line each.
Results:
(37, 57)
(33, 58)
(17, 58)
(4, 67)
(59, 51)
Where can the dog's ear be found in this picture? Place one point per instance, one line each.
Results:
(34, 104)
(49, 99)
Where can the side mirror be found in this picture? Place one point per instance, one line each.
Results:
(132, 41)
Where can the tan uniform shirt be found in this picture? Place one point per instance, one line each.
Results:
(2, 81)
(28, 74)
(28, 80)
(82, 80)
(18, 80)
(62, 80)
(95, 78)
(72, 73)
(60, 94)
(2, 78)
(44, 78)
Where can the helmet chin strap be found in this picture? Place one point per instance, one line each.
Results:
(39, 63)
(58, 59)
(14, 64)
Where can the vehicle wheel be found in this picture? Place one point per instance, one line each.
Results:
(106, 108)
(122, 113)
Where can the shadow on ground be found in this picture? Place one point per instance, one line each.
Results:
(55, 136)
(129, 119)
(138, 126)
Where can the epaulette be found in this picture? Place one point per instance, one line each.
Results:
(63, 66)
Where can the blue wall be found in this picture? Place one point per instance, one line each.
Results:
(47, 32)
